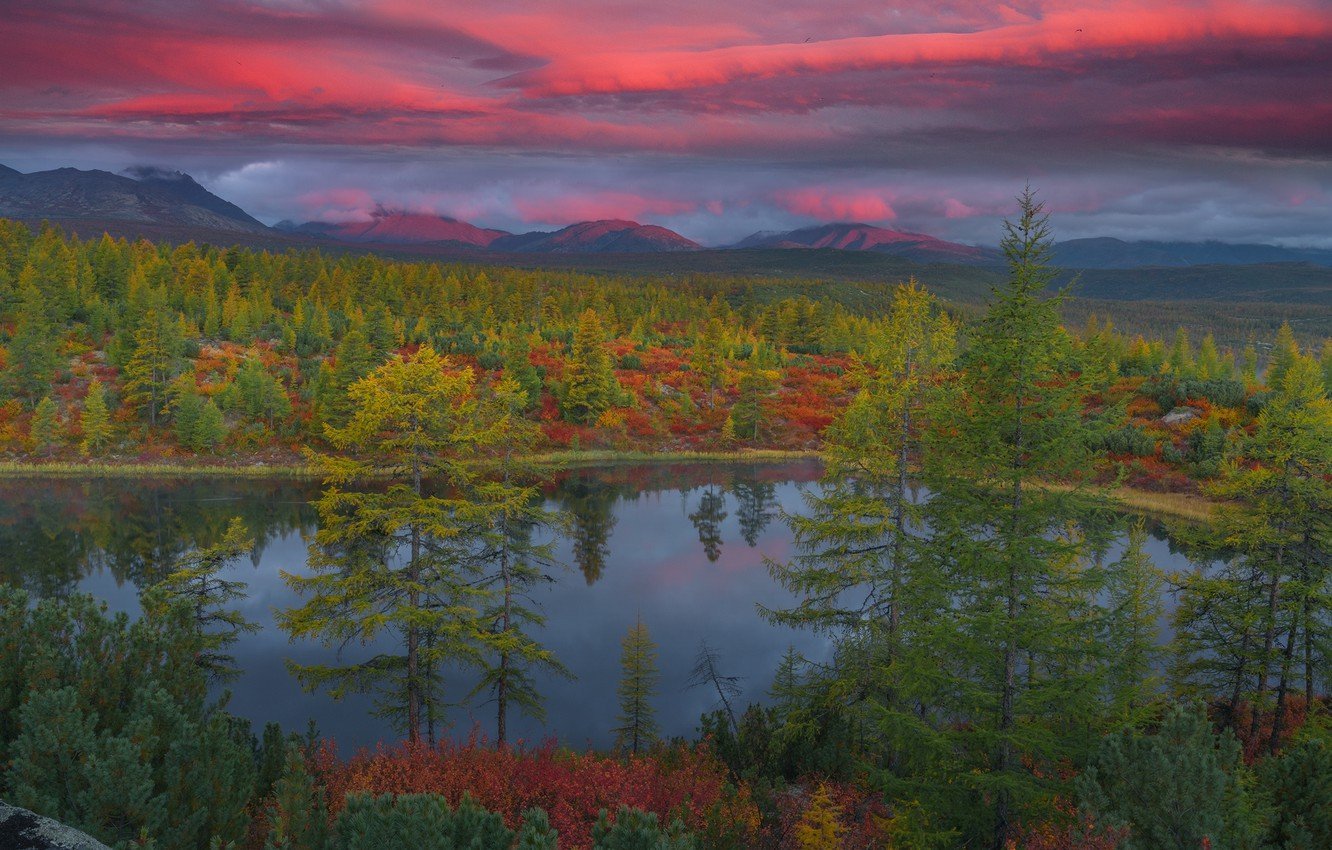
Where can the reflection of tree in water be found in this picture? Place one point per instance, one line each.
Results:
(55, 533)
(590, 504)
(708, 519)
(755, 505)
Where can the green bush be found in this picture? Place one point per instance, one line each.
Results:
(634, 829)
(426, 822)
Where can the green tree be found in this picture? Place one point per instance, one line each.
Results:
(755, 386)
(297, 812)
(518, 366)
(708, 359)
(1181, 786)
(516, 563)
(196, 582)
(45, 429)
(1285, 351)
(353, 359)
(589, 379)
(32, 349)
(637, 727)
(1253, 629)
(260, 394)
(392, 556)
(96, 420)
(153, 363)
(1020, 638)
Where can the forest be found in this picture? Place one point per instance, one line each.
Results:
(996, 680)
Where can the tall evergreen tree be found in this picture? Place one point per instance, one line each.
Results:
(637, 728)
(45, 429)
(153, 363)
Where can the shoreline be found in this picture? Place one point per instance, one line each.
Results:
(599, 457)
(1193, 507)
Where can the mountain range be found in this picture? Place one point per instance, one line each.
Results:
(159, 203)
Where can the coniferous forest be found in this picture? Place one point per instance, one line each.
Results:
(995, 680)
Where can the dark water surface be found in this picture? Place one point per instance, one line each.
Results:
(681, 545)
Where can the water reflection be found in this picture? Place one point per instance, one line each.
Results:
(683, 545)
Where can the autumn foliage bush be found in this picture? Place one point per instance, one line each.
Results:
(572, 787)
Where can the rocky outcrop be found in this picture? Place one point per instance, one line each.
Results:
(20, 829)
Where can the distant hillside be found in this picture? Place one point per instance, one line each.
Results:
(597, 237)
(1291, 283)
(864, 237)
(1107, 253)
(143, 196)
(398, 227)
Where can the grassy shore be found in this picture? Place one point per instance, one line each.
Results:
(184, 469)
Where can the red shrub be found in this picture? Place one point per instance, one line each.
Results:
(572, 787)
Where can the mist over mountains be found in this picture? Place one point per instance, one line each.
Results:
(162, 203)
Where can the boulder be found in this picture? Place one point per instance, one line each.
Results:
(1179, 416)
(20, 829)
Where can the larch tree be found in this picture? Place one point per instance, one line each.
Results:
(45, 429)
(196, 582)
(1254, 628)
(637, 728)
(32, 350)
(590, 387)
(153, 363)
(858, 574)
(96, 419)
(1026, 673)
(401, 544)
(517, 560)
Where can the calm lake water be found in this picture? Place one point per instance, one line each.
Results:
(681, 545)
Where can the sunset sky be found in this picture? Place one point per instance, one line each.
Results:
(1202, 119)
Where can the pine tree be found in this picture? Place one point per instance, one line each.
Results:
(708, 359)
(1130, 630)
(1179, 787)
(1180, 363)
(1019, 637)
(210, 428)
(353, 359)
(96, 421)
(589, 380)
(401, 558)
(260, 394)
(297, 813)
(45, 429)
(638, 685)
(196, 582)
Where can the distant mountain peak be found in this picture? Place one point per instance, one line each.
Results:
(6, 171)
(604, 236)
(858, 236)
(392, 226)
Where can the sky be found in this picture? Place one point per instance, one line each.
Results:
(1140, 119)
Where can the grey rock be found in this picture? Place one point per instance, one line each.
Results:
(20, 829)
(1179, 416)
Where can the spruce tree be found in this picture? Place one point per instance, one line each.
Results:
(297, 812)
(518, 366)
(637, 728)
(754, 387)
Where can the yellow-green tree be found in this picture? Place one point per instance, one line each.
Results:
(402, 539)
(45, 430)
(589, 378)
(96, 419)
(637, 727)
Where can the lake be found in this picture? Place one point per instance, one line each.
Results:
(680, 545)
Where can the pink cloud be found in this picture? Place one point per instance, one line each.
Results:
(597, 205)
(834, 205)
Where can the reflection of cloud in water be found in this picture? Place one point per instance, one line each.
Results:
(654, 565)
